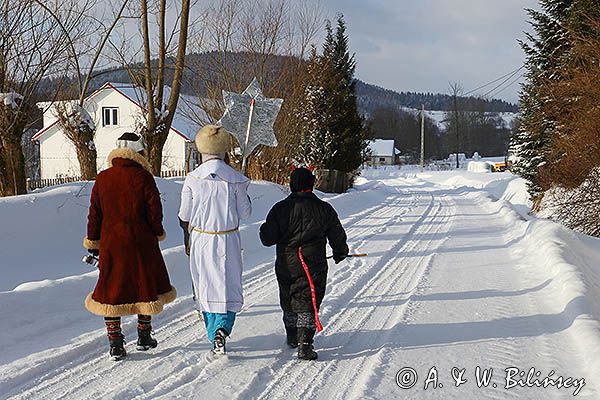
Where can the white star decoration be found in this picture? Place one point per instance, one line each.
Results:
(236, 117)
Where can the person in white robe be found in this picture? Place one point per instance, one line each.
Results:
(213, 200)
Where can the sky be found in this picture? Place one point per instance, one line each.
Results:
(422, 45)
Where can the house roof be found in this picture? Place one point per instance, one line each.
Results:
(382, 147)
(187, 119)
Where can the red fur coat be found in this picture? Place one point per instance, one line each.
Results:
(125, 224)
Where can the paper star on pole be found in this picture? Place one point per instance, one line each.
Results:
(250, 116)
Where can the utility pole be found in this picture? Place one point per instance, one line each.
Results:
(422, 137)
(456, 120)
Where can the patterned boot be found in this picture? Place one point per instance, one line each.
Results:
(219, 342)
(115, 338)
(145, 340)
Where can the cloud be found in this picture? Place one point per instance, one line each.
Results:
(422, 45)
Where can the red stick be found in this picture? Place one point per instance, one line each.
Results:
(312, 290)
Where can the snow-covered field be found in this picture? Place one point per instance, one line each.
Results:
(458, 276)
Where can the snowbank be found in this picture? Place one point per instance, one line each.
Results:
(43, 282)
(479, 166)
(569, 260)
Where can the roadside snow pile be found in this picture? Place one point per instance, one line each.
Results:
(479, 166)
(569, 260)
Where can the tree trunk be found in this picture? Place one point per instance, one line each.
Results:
(87, 162)
(155, 154)
(13, 179)
(13, 176)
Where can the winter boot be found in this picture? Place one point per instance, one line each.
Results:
(117, 349)
(115, 338)
(306, 352)
(145, 340)
(219, 342)
(305, 344)
(292, 337)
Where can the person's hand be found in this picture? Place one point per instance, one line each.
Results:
(94, 252)
(338, 259)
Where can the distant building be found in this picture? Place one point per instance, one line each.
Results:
(382, 152)
(116, 108)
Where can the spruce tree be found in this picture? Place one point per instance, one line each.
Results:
(546, 53)
(316, 143)
(333, 132)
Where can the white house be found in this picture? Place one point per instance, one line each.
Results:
(115, 109)
(382, 152)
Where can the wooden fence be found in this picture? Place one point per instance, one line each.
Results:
(172, 174)
(332, 181)
(33, 184)
(41, 183)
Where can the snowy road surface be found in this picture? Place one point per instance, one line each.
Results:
(454, 279)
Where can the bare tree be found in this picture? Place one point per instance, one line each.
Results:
(88, 44)
(32, 47)
(456, 115)
(160, 104)
(266, 39)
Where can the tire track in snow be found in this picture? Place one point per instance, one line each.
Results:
(82, 368)
(353, 318)
(412, 275)
(183, 378)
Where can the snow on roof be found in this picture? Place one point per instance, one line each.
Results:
(189, 116)
(382, 147)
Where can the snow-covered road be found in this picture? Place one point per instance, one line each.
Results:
(452, 282)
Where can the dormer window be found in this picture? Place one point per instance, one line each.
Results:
(110, 116)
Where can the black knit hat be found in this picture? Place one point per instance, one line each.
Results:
(301, 179)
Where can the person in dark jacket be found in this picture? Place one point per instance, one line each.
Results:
(124, 228)
(300, 226)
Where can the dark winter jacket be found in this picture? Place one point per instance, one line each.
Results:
(304, 221)
(125, 224)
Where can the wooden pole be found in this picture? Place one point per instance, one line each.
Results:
(245, 155)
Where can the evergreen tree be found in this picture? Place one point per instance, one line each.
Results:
(546, 54)
(316, 144)
(334, 136)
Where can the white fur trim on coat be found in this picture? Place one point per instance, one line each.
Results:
(129, 154)
(91, 244)
(119, 310)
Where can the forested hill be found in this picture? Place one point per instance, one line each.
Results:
(371, 97)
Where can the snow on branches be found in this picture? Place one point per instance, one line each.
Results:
(11, 99)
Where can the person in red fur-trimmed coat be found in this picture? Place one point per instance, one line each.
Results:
(124, 228)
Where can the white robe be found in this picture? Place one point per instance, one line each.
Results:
(214, 199)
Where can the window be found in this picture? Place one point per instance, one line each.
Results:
(110, 116)
(382, 160)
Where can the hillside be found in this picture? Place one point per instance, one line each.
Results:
(369, 96)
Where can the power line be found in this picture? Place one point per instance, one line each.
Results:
(502, 83)
(507, 86)
(509, 75)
